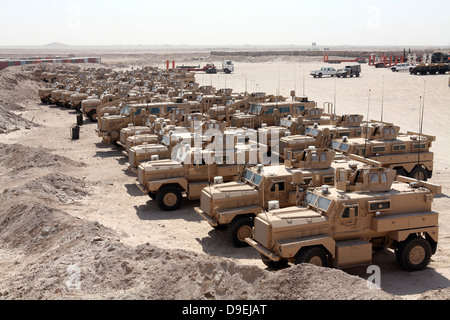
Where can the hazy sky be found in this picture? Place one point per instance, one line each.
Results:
(231, 22)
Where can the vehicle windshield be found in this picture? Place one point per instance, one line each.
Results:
(255, 109)
(253, 177)
(340, 146)
(165, 140)
(312, 131)
(316, 201)
(125, 110)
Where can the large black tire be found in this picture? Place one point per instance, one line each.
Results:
(320, 75)
(401, 172)
(169, 198)
(414, 253)
(419, 173)
(92, 115)
(283, 263)
(239, 229)
(312, 255)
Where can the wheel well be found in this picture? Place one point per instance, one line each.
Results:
(423, 235)
(176, 185)
(245, 215)
(316, 246)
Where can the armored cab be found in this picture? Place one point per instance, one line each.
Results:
(235, 204)
(340, 226)
(192, 170)
(166, 147)
(77, 98)
(55, 97)
(268, 113)
(407, 153)
(45, 94)
(109, 129)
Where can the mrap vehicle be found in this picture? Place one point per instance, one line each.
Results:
(341, 226)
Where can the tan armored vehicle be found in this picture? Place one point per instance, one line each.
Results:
(166, 147)
(409, 154)
(45, 94)
(268, 113)
(341, 226)
(109, 129)
(55, 97)
(130, 131)
(138, 139)
(167, 180)
(235, 204)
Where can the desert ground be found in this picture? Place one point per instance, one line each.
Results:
(73, 225)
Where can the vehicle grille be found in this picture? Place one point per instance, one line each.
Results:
(262, 232)
(141, 175)
(205, 202)
(131, 157)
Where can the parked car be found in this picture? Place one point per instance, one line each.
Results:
(402, 67)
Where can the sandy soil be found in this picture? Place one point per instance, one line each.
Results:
(72, 204)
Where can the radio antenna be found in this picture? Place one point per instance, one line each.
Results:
(382, 100)
(421, 109)
(367, 127)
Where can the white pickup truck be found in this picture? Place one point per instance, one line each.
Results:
(325, 71)
(401, 67)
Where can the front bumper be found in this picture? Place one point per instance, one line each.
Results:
(272, 256)
(205, 216)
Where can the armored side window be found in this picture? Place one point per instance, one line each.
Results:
(419, 146)
(281, 186)
(398, 147)
(284, 110)
(269, 111)
(323, 157)
(374, 178)
(346, 213)
(344, 134)
(328, 179)
(299, 108)
(378, 149)
(379, 205)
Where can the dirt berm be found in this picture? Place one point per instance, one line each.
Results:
(58, 256)
(49, 254)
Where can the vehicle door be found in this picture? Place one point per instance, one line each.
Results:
(277, 190)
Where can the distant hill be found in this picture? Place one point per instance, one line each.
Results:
(56, 44)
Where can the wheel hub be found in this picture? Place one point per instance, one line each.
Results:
(317, 261)
(244, 232)
(170, 199)
(417, 255)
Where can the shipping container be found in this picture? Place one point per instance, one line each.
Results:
(3, 65)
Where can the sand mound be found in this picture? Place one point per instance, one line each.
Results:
(52, 187)
(18, 157)
(16, 89)
(58, 246)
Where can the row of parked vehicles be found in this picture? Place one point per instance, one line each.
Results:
(285, 176)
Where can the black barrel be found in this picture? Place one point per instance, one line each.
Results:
(79, 119)
(75, 132)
